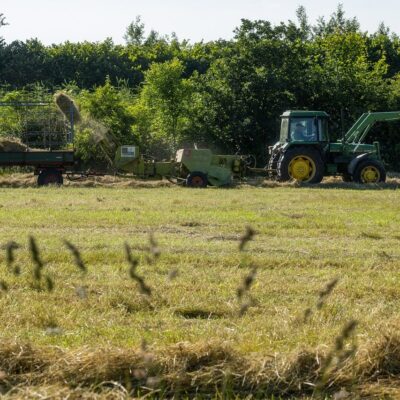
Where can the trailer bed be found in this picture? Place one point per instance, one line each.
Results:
(38, 158)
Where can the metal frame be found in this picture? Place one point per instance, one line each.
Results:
(47, 135)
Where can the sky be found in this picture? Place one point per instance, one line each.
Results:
(55, 21)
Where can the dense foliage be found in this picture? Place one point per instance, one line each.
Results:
(161, 92)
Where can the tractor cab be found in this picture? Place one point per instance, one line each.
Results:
(304, 127)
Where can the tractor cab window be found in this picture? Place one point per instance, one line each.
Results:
(304, 129)
(284, 130)
(323, 130)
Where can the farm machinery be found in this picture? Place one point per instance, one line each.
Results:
(192, 167)
(41, 126)
(305, 153)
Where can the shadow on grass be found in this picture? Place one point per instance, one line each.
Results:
(196, 313)
(392, 183)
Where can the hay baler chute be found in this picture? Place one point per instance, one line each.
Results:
(194, 167)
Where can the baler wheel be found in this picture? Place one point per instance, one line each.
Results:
(197, 180)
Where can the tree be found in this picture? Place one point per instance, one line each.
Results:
(302, 19)
(2, 20)
(2, 23)
(135, 32)
(337, 23)
(107, 123)
(166, 93)
(343, 78)
(247, 87)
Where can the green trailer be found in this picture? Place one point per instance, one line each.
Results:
(44, 132)
(49, 166)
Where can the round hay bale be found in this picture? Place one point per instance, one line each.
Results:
(11, 145)
(66, 104)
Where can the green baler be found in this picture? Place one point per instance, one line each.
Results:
(195, 167)
(304, 151)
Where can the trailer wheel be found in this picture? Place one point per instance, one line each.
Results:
(197, 180)
(48, 177)
(369, 171)
(303, 164)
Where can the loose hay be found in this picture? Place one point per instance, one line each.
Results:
(200, 368)
(66, 105)
(20, 180)
(11, 145)
(28, 180)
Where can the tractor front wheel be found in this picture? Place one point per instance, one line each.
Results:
(302, 164)
(369, 171)
(197, 180)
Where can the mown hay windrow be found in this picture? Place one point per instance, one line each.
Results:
(60, 392)
(381, 360)
(186, 368)
(86, 367)
(66, 106)
(21, 364)
(202, 369)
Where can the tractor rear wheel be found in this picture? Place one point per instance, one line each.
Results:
(197, 180)
(369, 171)
(48, 177)
(302, 164)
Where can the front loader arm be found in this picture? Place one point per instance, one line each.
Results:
(358, 132)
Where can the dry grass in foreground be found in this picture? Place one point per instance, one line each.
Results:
(203, 370)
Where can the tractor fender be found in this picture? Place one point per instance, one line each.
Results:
(355, 161)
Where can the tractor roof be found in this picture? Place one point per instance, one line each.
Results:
(298, 113)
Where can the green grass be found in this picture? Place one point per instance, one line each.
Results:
(305, 238)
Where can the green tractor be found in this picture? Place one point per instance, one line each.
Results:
(305, 153)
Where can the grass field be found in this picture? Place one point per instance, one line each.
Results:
(193, 334)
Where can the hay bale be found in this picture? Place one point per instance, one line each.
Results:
(11, 145)
(65, 104)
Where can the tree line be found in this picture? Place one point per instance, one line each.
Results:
(161, 92)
